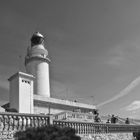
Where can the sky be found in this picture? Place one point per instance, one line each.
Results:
(94, 47)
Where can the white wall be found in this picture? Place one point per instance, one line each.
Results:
(26, 95)
(14, 93)
(21, 92)
(47, 110)
(40, 70)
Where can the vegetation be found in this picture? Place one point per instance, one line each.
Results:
(47, 133)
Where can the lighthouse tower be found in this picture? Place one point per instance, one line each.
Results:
(37, 64)
(36, 80)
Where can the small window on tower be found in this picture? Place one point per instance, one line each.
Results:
(26, 81)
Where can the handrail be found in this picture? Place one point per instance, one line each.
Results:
(94, 128)
(20, 121)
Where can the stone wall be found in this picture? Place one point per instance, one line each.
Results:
(13, 122)
(7, 135)
(109, 136)
(10, 123)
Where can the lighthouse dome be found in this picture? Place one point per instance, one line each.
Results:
(37, 46)
(37, 39)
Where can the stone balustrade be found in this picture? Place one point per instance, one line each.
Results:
(18, 121)
(12, 122)
(96, 128)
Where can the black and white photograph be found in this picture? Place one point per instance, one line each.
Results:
(69, 70)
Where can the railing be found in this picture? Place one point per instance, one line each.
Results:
(95, 128)
(75, 116)
(18, 121)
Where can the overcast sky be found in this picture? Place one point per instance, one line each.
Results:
(94, 47)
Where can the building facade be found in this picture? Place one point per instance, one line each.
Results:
(30, 91)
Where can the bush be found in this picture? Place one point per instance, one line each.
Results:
(47, 133)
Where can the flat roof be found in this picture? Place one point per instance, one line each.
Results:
(63, 102)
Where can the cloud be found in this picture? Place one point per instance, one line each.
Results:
(124, 92)
(132, 109)
(135, 105)
(116, 56)
(115, 61)
(122, 53)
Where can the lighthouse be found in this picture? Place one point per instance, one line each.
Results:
(30, 91)
(37, 64)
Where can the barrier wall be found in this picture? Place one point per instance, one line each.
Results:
(95, 128)
(109, 136)
(12, 122)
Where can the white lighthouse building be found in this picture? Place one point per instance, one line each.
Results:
(30, 91)
(37, 64)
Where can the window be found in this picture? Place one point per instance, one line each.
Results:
(25, 81)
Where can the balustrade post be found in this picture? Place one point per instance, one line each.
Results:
(26, 119)
(34, 121)
(78, 128)
(106, 128)
(31, 121)
(42, 121)
(46, 120)
(38, 119)
(23, 122)
(9, 122)
(50, 120)
(85, 128)
(18, 122)
(4, 122)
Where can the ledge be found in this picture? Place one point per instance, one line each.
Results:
(47, 100)
(21, 74)
(29, 59)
